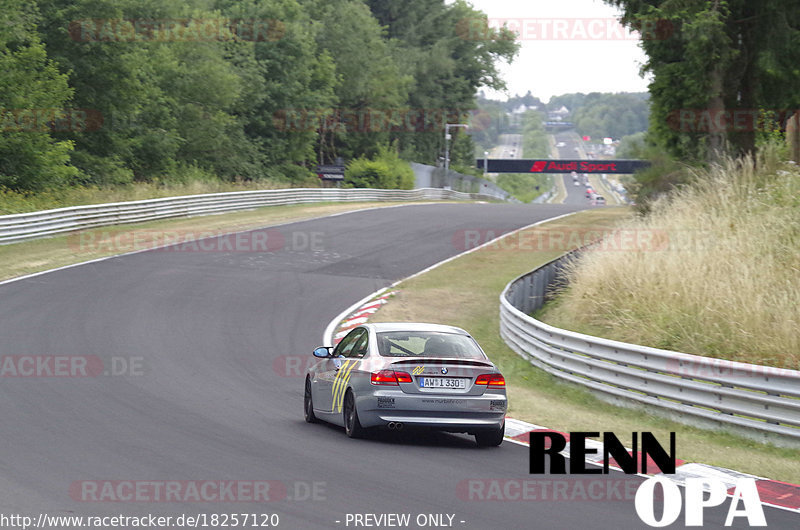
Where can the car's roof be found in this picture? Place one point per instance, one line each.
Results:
(413, 326)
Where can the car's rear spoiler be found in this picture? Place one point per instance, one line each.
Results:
(443, 360)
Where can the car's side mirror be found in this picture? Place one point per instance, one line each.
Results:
(323, 351)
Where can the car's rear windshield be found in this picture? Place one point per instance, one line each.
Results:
(427, 344)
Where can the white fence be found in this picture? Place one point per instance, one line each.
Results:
(24, 226)
(747, 398)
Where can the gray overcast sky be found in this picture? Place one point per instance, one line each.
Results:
(567, 46)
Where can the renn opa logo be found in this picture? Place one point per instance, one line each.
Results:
(700, 492)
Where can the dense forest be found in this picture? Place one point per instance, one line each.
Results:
(106, 92)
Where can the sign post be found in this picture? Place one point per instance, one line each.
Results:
(332, 173)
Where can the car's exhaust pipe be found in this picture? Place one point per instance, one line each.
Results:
(391, 425)
(395, 426)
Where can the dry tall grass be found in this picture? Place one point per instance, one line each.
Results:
(716, 271)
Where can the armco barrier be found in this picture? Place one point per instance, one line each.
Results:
(24, 226)
(746, 398)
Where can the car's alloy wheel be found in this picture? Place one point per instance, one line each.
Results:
(308, 404)
(352, 427)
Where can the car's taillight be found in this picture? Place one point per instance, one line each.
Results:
(390, 377)
(383, 377)
(491, 380)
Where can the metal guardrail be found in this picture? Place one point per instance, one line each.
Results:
(749, 398)
(24, 226)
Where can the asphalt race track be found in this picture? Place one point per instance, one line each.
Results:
(211, 396)
(575, 194)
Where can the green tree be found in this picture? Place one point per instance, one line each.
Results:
(489, 121)
(451, 52)
(287, 82)
(115, 81)
(709, 58)
(34, 100)
(535, 143)
(600, 114)
(172, 105)
(369, 83)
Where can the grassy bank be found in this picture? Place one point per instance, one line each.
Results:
(524, 186)
(454, 294)
(19, 202)
(713, 271)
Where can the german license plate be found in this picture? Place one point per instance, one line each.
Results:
(442, 382)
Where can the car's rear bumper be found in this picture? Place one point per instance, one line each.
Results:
(445, 423)
(456, 412)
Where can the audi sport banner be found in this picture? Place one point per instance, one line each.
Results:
(514, 165)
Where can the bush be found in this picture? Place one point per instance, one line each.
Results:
(386, 171)
(32, 161)
(664, 175)
(101, 171)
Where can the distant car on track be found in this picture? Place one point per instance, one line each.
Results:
(598, 200)
(397, 375)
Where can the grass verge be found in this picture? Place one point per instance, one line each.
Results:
(38, 255)
(20, 202)
(455, 294)
(713, 270)
(524, 186)
(560, 189)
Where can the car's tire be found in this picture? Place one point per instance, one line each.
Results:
(352, 427)
(308, 404)
(491, 438)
